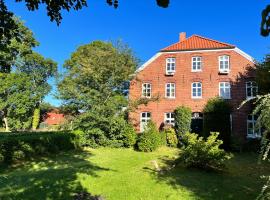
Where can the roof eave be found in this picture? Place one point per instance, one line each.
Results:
(175, 50)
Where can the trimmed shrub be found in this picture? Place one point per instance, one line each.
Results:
(150, 139)
(171, 137)
(129, 136)
(17, 146)
(217, 119)
(203, 154)
(182, 120)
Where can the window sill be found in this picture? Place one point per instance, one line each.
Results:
(171, 98)
(143, 97)
(196, 98)
(223, 72)
(196, 70)
(253, 137)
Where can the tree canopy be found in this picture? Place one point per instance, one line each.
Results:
(23, 76)
(95, 85)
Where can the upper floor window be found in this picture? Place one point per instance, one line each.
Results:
(146, 90)
(196, 64)
(251, 89)
(170, 90)
(196, 90)
(170, 66)
(169, 118)
(145, 118)
(252, 130)
(224, 63)
(225, 90)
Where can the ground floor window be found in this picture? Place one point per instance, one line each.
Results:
(145, 118)
(169, 118)
(252, 130)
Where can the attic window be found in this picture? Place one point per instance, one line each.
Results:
(170, 66)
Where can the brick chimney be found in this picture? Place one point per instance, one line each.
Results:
(182, 36)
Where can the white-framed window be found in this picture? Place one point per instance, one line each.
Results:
(145, 118)
(170, 90)
(252, 130)
(224, 63)
(169, 118)
(196, 90)
(251, 89)
(146, 90)
(170, 66)
(196, 64)
(225, 90)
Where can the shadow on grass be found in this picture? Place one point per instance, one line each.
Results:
(54, 177)
(241, 180)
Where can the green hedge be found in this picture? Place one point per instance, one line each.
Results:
(18, 146)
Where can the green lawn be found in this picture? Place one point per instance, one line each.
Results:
(124, 174)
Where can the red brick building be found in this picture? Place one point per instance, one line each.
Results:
(189, 73)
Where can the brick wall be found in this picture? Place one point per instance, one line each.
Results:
(154, 73)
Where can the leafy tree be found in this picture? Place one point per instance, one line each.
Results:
(24, 76)
(54, 8)
(265, 23)
(40, 70)
(16, 42)
(95, 83)
(16, 100)
(262, 75)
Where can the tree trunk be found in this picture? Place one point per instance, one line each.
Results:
(6, 124)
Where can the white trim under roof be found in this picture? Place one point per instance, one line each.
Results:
(237, 50)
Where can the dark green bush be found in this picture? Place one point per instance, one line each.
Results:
(17, 146)
(150, 139)
(119, 133)
(217, 119)
(171, 137)
(182, 120)
(203, 154)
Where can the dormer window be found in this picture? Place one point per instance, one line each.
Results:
(224, 64)
(170, 66)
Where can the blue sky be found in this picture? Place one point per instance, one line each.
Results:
(145, 27)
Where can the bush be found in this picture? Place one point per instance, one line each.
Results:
(150, 139)
(17, 146)
(217, 119)
(129, 136)
(171, 137)
(182, 120)
(203, 154)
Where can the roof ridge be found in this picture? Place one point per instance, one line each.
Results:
(212, 40)
(177, 42)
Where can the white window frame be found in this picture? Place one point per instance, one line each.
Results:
(223, 59)
(169, 118)
(197, 60)
(224, 88)
(253, 86)
(145, 88)
(171, 90)
(144, 120)
(170, 65)
(196, 88)
(256, 133)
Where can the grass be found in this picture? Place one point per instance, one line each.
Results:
(124, 174)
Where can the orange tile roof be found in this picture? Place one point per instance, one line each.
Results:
(196, 42)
